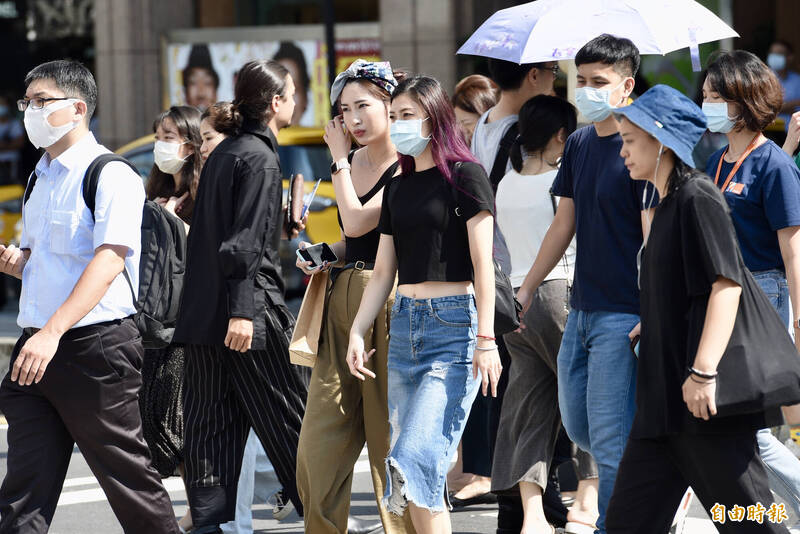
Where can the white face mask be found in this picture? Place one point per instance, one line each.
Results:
(595, 104)
(41, 133)
(166, 157)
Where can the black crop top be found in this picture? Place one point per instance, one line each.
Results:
(429, 239)
(365, 247)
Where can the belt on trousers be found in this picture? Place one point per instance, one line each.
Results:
(81, 330)
(357, 265)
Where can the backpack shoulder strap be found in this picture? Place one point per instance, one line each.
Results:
(90, 182)
(92, 177)
(501, 159)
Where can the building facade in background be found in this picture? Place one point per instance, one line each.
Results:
(140, 49)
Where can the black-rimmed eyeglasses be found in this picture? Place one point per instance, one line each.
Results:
(38, 103)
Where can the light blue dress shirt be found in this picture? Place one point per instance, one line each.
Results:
(58, 229)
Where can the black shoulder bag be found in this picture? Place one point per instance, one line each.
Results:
(506, 306)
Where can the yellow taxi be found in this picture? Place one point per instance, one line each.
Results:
(11, 213)
(302, 151)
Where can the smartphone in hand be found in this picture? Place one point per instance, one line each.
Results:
(635, 345)
(318, 255)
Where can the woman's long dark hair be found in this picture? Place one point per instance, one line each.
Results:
(187, 121)
(540, 118)
(257, 83)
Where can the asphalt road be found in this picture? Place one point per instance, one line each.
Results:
(83, 507)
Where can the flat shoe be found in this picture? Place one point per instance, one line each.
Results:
(357, 525)
(486, 498)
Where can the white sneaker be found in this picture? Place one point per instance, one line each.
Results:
(282, 507)
(679, 521)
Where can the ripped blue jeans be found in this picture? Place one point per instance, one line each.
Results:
(431, 389)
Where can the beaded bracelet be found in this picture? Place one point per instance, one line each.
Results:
(493, 347)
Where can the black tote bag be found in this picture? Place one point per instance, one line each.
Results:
(760, 369)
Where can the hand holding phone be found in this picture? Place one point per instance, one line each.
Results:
(319, 255)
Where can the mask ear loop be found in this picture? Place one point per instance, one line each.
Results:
(647, 218)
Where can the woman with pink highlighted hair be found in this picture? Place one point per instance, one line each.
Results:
(436, 230)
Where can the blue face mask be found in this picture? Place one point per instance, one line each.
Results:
(776, 61)
(717, 117)
(407, 137)
(595, 104)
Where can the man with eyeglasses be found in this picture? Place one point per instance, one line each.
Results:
(74, 377)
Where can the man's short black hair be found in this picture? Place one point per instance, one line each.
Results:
(509, 75)
(607, 49)
(71, 77)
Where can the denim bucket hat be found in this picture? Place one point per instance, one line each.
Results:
(669, 116)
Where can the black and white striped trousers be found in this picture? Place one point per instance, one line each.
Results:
(227, 392)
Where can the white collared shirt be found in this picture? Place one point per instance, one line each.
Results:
(58, 229)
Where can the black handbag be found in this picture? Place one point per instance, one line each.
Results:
(760, 369)
(506, 306)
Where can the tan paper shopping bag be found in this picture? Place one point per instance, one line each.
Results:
(305, 339)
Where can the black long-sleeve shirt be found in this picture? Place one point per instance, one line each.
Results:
(233, 268)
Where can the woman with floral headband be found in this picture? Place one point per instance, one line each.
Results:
(343, 412)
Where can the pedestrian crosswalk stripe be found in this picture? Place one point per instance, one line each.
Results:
(79, 481)
(173, 485)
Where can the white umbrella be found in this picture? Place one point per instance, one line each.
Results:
(552, 30)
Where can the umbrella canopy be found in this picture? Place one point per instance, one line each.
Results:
(552, 30)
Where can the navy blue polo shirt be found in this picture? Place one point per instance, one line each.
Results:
(764, 196)
(608, 223)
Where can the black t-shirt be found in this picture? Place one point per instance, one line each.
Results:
(691, 243)
(365, 247)
(429, 239)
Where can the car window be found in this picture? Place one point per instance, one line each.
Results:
(312, 161)
(142, 159)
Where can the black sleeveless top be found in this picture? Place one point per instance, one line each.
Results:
(365, 248)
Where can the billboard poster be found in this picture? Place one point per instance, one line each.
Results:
(200, 74)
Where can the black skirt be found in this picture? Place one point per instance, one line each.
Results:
(161, 404)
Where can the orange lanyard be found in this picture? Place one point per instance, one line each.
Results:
(752, 146)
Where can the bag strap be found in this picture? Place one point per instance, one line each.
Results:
(564, 257)
(90, 182)
(29, 187)
(92, 177)
(501, 159)
(454, 190)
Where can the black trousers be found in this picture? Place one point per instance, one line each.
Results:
(88, 396)
(480, 432)
(228, 392)
(654, 474)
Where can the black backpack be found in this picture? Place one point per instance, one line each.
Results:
(162, 263)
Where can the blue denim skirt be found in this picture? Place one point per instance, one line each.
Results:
(431, 389)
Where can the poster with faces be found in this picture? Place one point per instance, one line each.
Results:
(200, 74)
